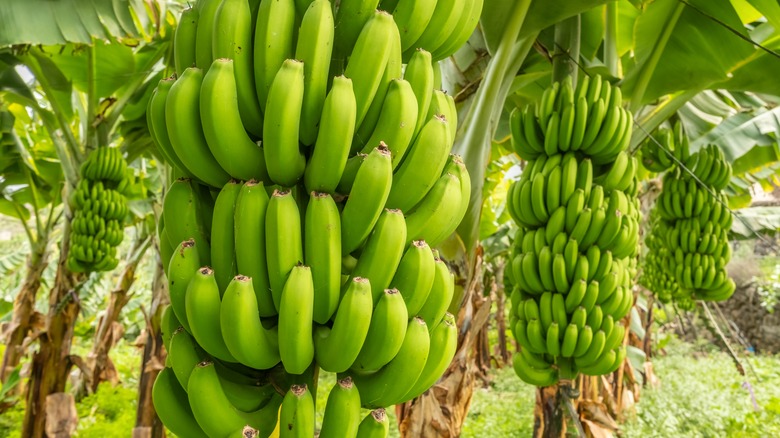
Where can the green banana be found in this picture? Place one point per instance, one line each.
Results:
(389, 385)
(282, 153)
(342, 411)
(396, 123)
(203, 39)
(414, 275)
(296, 416)
(385, 336)
(231, 38)
(184, 264)
(334, 138)
(185, 129)
(184, 40)
(158, 129)
(422, 166)
(296, 346)
(314, 47)
(382, 252)
(184, 355)
(337, 347)
(184, 207)
(172, 406)
(283, 241)
(250, 242)
(419, 75)
(243, 332)
(444, 343)
(223, 241)
(366, 199)
(322, 252)
(202, 302)
(223, 128)
(436, 216)
(374, 425)
(531, 375)
(370, 53)
(274, 42)
(213, 410)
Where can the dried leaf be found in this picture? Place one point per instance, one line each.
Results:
(596, 430)
(61, 415)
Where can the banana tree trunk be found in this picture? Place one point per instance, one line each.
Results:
(441, 411)
(51, 364)
(109, 330)
(22, 321)
(147, 424)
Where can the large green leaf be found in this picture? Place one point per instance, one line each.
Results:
(755, 74)
(738, 134)
(541, 14)
(114, 65)
(51, 22)
(699, 51)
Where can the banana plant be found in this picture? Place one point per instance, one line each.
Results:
(87, 88)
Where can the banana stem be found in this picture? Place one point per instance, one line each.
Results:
(480, 123)
(567, 49)
(648, 68)
(611, 58)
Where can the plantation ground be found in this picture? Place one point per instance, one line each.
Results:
(701, 395)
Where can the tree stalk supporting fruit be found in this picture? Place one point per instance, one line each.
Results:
(147, 423)
(51, 364)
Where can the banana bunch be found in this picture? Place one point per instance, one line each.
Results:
(660, 150)
(589, 120)
(314, 180)
(573, 259)
(689, 239)
(99, 207)
(289, 90)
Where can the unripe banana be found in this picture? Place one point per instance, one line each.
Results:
(184, 207)
(250, 243)
(274, 42)
(243, 332)
(366, 199)
(223, 246)
(314, 47)
(336, 348)
(334, 138)
(184, 264)
(168, 324)
(389, 385)
(185, 130)
(184, 355)
(283, 156)
(297, 413)
(382, 252)
(342, 411)
(461, 31)
(419, 74)
(444, 343)
(385, 336)
(203, 39)
(534, 376)
(323, 253)
(296, 307)
(414, 276)
(440, 297)
(232, 38)
(223, 128)
(284, 246)
(202, 305)
(369, 57)
(214, 412)
(184, 39)
(423, 165)
(172, 406)
(436, 215)
(374, 425)
(396, 123)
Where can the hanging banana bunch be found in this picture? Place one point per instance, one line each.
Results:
(314, 182)
(688, 247)
(574, 254)
(99, 207)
